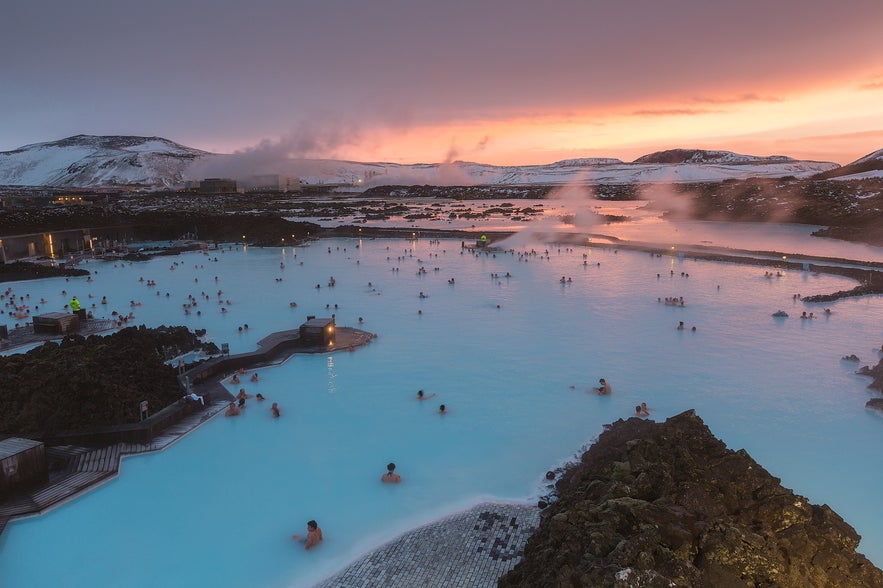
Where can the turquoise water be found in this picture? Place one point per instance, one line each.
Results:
(512, 358)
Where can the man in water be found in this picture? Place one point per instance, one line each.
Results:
(314, 535)
(391, 477)
(422, 396)
(603, 387)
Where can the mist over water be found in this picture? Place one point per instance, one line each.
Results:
(573, 204)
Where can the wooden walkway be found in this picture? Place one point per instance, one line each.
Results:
(87, 467)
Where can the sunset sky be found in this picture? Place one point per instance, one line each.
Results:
(494, 81)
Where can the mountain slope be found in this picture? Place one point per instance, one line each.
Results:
(87, 161)
(96, 161)
(869, 166)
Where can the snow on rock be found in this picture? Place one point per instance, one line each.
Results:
(97, 161)
(100, 161)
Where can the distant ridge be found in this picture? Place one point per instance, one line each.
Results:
(869, 166)
(95, 161)
(703, 156)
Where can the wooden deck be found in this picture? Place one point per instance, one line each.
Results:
(85, 467)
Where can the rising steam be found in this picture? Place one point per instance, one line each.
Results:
(575, 216)
(290, 154)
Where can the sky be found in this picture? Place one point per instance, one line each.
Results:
(506, 82)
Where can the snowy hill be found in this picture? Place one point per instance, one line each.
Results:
(702, 156)
(708, 167)
(98, 161)
(869, 166)
(88, 161)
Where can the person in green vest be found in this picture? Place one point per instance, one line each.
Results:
(75, 304)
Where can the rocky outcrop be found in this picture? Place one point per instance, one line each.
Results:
(876, 373)
(87, 382)
(667, 504)
(23, 270)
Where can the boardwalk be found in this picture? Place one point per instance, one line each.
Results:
(88, 467)
(83, 468)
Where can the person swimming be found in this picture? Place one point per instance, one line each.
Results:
(313, 537)
(390, 477)
(422, 396)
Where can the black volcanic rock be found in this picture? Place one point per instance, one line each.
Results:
(667, 504)
(95, 381)
(876, 373)
(700, 156)
(23, 270)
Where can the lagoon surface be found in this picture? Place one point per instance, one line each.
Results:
(513, 359)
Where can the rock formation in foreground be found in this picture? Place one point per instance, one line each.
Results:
(667, 504)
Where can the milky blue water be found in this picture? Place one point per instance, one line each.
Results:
(512, 358)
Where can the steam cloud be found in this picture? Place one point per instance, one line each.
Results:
(575, 201)
(288, 155)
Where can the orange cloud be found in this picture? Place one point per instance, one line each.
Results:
(674, 112)
(875, 83)
(749, 97)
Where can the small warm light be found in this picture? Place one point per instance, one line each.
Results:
(784, 257)
(243, 236)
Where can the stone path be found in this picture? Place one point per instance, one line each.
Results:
(470, 549)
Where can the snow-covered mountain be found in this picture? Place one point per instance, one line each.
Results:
(87, 161)
(98, 161)
(869, 166)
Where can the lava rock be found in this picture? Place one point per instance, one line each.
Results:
(668, 504)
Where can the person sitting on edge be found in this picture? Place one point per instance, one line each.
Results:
(442, 409)
(275, 410)
(603, 387)
(421, 396)
(314, 535)
(390, 477)
(232, 410)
